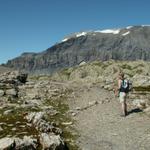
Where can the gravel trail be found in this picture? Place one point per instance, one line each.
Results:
(102, 128)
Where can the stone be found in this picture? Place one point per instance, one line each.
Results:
(147, 110)
(93, 103)
(82, 63)
(27, 142)
(11, 92)
(67, 123)
(140, 103)
(34, 117)
(22, 77)
(8, 112)
(7, 143)
(1, 93)
(37, 119)
(51, 141)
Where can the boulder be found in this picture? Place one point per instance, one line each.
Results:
(147, 110)
(11, 92)
(27, 143)
(34, 117)
(51, 141)
(140, 103)
(37, 119)
(22, 77)
(7, 143)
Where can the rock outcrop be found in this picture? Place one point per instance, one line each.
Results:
(10, 81)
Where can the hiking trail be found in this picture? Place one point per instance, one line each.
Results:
(101, 127)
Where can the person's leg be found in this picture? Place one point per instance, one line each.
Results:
(124, 108)
(123, 103)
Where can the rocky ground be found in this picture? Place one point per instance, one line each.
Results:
(75, 109)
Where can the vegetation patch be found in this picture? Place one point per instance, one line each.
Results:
(126, 66)
(142, 88)
(14, 124)
(62, 116)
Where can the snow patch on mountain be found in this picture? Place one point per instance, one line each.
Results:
(113, 31)
(126, 33)
(81, 34)
(129, 27)
(74, 35)
(64, 40)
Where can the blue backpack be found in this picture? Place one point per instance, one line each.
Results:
(126, 86)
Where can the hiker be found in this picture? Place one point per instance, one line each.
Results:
(121, 91)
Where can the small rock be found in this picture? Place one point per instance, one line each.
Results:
(8, 112)
(13, 129)
(1, 93)
(67, 123)
(147, 110)
(73, 113)
(93, 103)
(7, 143)
(78, 108)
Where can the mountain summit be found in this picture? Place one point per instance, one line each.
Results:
(130, 43)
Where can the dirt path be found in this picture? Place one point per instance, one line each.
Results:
(102, 128)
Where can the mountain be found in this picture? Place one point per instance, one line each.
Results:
(130, 43)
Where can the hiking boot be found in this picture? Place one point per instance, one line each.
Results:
(122, 115)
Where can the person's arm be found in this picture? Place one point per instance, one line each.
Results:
(118, 88)
(119, 84)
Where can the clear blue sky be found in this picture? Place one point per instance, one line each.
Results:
(35, 25)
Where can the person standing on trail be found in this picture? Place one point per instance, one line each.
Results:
(121, 91)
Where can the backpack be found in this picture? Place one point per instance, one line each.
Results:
(126, 86)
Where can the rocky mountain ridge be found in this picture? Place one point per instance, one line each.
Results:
(130, 43)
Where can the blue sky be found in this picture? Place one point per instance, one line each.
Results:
(35, 25)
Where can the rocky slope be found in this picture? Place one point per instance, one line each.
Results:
(131, 43)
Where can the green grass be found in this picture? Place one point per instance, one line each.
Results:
(15, 120)
(126, 66)
(62, 116)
